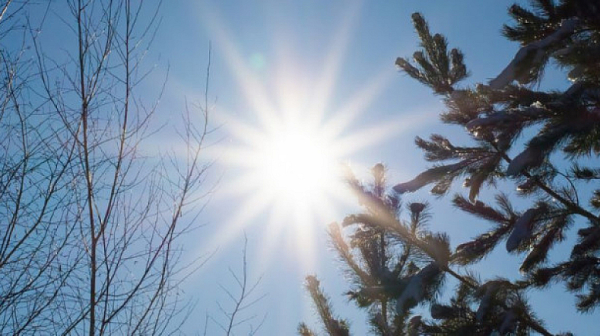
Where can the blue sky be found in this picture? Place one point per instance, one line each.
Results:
(357, 43)
(337, 55)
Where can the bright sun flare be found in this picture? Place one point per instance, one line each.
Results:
(287, 145)
(289, 167)
(295, 164)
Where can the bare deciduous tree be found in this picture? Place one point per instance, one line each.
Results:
(89, 226)
(238, 315)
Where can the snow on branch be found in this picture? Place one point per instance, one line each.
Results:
(535, 50)
(416, 289)
(523, 228)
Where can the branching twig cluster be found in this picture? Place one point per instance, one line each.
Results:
(89, 236)
(242, 302)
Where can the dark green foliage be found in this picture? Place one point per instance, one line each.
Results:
(392, 264)
(502, 219)
(499, 304)
(436, 67)
(495, 115)
(482, 309)
(331, 325)
(516, 132)
(595, 199)
(544, 242)
(304, 330)
(581, 273)
(585, 173)
(478, 163)
(546, 229)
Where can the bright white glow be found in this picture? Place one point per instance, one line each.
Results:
(296, 164)
(285, 149)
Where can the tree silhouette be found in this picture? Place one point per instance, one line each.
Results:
(515, 130)
(89, 233)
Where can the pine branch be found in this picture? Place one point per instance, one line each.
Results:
(575, 208)
(332, 325)
(533, 54)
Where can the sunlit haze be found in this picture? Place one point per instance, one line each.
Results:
(187, 162)
(296, 164)
(297, 90)
(286, 152)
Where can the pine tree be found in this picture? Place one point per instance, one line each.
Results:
(393, 264)
(497, 116)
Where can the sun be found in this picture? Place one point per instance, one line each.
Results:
(296, 164)
(289, 166)
(288, 141)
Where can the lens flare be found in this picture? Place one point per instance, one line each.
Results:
(296, 164)
(286, 149)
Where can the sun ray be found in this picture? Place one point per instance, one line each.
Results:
(285, 151)
(357, 104)
(334, 59)
(252, 89)
(240, 221)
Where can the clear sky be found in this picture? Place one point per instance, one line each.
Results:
(327, 66)
(322, 73)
